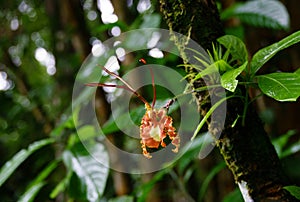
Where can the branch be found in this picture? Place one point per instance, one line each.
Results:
(246, 149)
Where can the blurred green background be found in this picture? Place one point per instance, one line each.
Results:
(43, 45)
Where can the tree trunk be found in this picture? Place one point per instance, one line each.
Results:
(246, 149)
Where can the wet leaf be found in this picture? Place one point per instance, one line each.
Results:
(265, 54)
(228, 79)
(280, 86)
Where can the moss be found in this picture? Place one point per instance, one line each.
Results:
(246, 149)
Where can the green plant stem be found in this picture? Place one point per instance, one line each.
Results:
(245, 106)
(246, 82)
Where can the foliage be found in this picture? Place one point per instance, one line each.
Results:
(276, 85)
(10, 166)
(294, 190)
(280, 86)
(36, 113)
(260, 13)
(87, 171)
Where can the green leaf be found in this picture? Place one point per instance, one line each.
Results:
(29, 195)
(265, 54)
(228, 79)
(261, 13)
(38, 182)
(207, 115)
(281, 142)
(61, 186)
(45, 173)
(294, 190)
(90, 172)
(236, 47)
(209, 70)
(11, 165)
(86, 132)
(280, 86)
(217, 66)
(235, 196)
(122, 199)
(292, 149)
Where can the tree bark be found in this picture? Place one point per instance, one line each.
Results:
(246, 148)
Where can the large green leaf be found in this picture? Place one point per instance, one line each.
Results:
(11, 165)
(91, 173)
(228, 79)
(261, 13)
(265, 54)
(280, 86)
(236, 47)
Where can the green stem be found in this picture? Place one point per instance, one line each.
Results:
(245, 107)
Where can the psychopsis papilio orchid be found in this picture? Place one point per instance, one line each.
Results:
(156, 125)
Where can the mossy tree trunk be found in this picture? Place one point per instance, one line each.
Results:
(246, 148)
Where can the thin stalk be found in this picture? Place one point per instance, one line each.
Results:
(126, 86)
(142, 60)
(245, 107)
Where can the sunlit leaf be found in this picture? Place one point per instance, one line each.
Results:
(11, 165)
(261, 13)
(228, 79)
(265, 54)
(90, 172)
(236, 47)
(280, 86)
